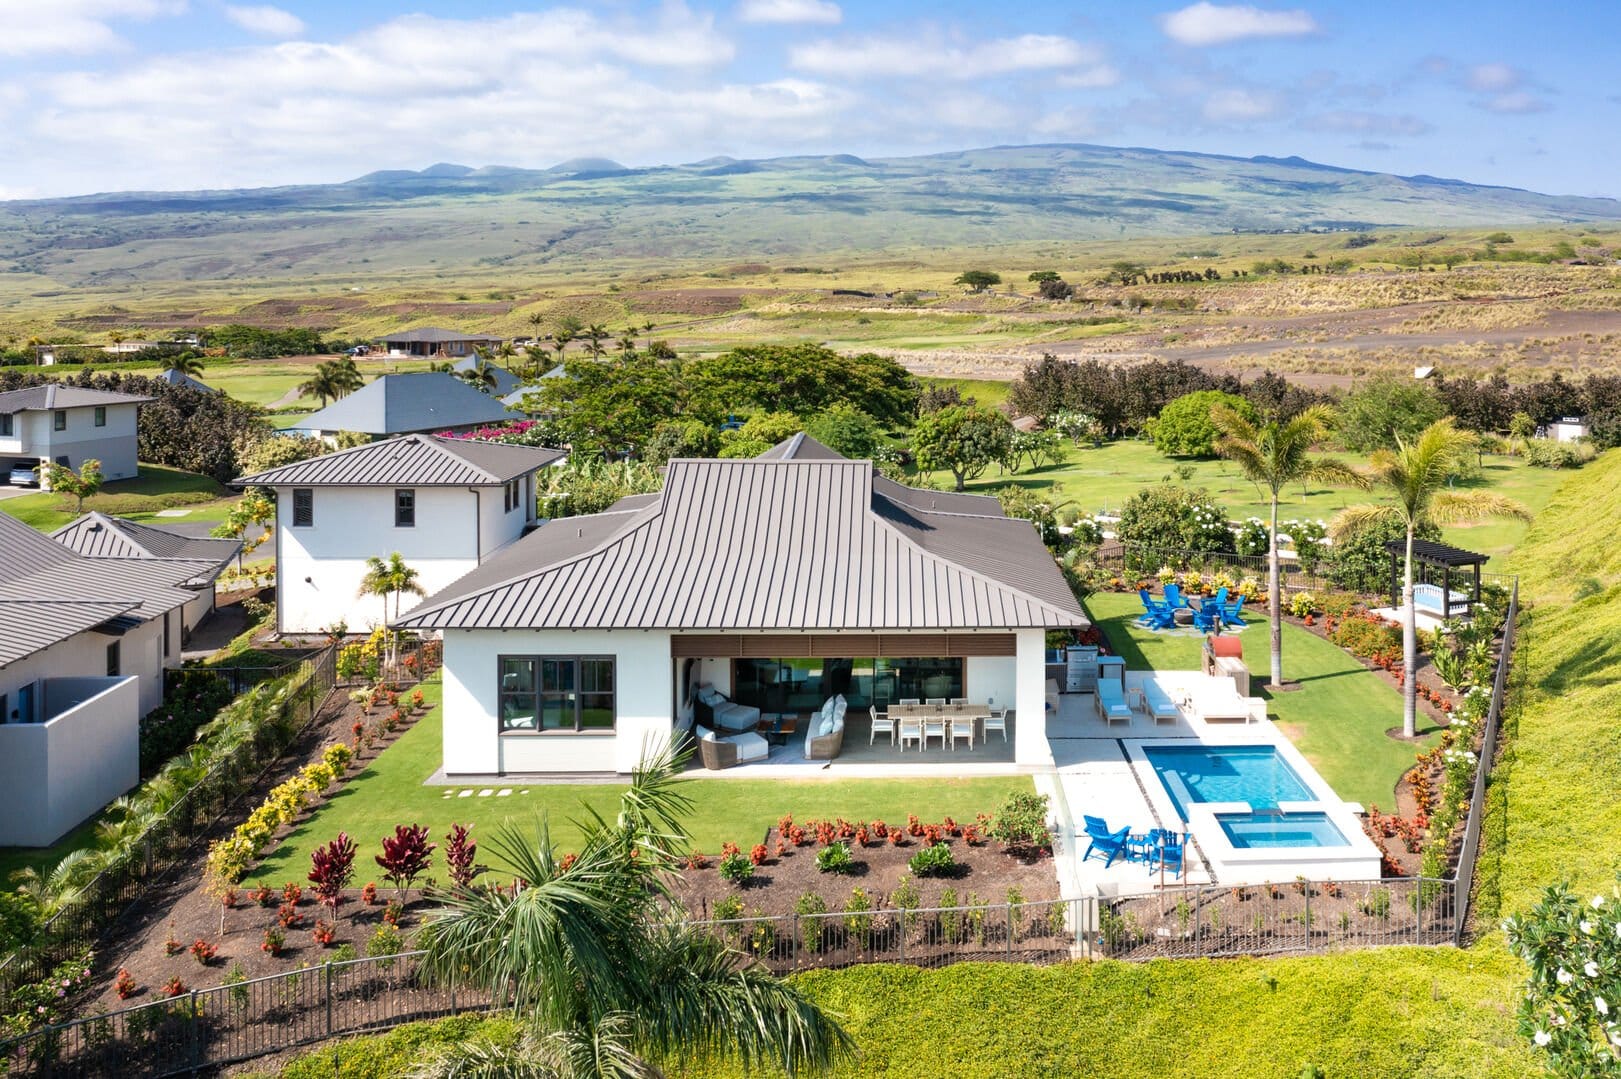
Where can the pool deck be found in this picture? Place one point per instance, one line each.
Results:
(1100, 770)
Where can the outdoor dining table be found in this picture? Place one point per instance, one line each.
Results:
(951, 713)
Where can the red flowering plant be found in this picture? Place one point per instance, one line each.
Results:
(331, 868)
(406, 855)
(203, 952)
(757, 854)
(324, 932)
(292, 893)
(275, 940)
(368, 894)
(696, 859)
(263, 896)
(288, 917)
(124, 984)
(174, 987)
(460, 852)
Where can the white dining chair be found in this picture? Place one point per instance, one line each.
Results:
(910, 700)
(959, 700)
(911, 730)
(962, 729)
(939, 702)
(934, 727)
(881, 725)
(996, 720)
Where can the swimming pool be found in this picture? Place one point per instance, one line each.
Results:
(1254, 774)
(1248, 831)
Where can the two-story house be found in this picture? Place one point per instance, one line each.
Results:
(69, 424)
(84, 642)
(444, 504)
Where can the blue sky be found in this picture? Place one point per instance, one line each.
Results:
(180, 94)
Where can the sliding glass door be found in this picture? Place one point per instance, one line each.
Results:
(801, 685)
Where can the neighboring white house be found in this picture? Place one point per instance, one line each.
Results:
(96, 535)
(573, 648)
(84, 642)
(67, 424)
(1567, 429)
(444, 504)
(426, 402)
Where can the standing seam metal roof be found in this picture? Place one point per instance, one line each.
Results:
(410, 461)
(772, 543)
(400, 404)
(29, 626)
(54, 395)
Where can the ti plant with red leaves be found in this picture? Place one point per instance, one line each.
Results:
(460, 850)
(331, 868)
(406, 856)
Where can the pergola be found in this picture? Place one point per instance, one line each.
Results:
(1427, 554)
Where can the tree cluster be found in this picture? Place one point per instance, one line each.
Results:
(257, 343)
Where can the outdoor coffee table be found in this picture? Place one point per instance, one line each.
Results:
(776, 728)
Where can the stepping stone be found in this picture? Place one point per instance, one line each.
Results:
(485, 793)
(172, 513)
(503, 792)
(465, 794)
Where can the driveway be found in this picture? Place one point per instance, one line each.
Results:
(8, 491)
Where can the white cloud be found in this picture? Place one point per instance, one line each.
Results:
(1225, 106)
(1068, 123)
(72, 26)
(789, 11)
(1355, 122)
(1096, 77)
(1493, 78)
(881, 57)
(1516, 102)
(1205, 23)
(265, 20)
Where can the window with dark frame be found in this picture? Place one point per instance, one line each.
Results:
(5, 424)
(303, 507)
(405, 508)
(167, 650)
(60, 420)
(101, 416)
(570, 694)
(112, 659)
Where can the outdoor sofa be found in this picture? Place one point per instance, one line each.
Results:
(719, 751)
(824, 731)
(713, 709)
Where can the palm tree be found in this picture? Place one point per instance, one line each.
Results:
(1415, 477)
(481, 375)
(346, 375)
(594, 336)
(1275, 454)
(387, 577)
(321, 384)
(185, 363)
(587, 952)
(561, 339)
(627, 343)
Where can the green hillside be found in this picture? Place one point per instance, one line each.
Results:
(449, 217)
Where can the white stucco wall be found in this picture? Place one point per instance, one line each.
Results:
(993, 678)
(55, 775)
(1030, 700)
(34, 436)
(85, 655)
(319, 567)
(643, 702)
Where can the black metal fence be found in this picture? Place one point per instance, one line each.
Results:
(1469, 853)
(240, 678)
(210, 1028)
(100, 902)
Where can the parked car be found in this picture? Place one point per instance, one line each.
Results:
(358, 350)
(23, 474)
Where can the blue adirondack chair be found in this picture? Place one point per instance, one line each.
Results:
(1167, 850)
(1219, 599)
(1106, 844)
(1207, 617)
(1156, 613)
(1230, 613)
(1174, 596)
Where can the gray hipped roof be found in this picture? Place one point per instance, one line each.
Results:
(411, 461)
(180, 378)
(434, 335)
(53, 395)
(48, 592)
(96, 535)
(805, 541)
(400, 404)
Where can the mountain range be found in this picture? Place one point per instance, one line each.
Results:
(450, 216)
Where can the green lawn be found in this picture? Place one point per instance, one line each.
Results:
(156, 488)
(390, 791)
(1338, 716)
(1100, 480)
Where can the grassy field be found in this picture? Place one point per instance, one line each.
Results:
(1099, 480)
(390, 791)
(1338, 716)
(156, 488)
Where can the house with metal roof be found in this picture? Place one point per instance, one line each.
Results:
(84, 642)
(68, 425)
(502, 382)
(180, 378)
(425, 402)
(98, 535)
(435, 341)
(444, 504)
(744, 590)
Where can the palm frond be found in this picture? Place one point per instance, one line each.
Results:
(1452, 507)
(1328, 470)
(1353, 519)
(706, 1001)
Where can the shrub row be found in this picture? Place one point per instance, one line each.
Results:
(229, 858)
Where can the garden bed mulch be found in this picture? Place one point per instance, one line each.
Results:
(181, 907)
(986, 872)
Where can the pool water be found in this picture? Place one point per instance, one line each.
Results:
(1253, 774)
(1273, 829)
